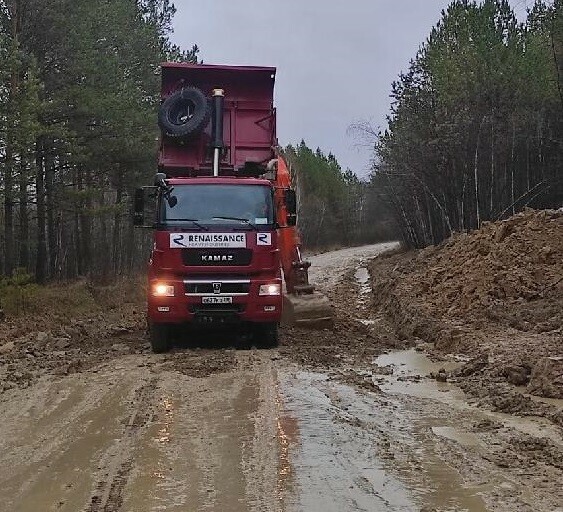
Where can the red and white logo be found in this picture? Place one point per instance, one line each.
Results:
(263, 238)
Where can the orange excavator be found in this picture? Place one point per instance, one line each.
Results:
(225, 222)
(303, 305)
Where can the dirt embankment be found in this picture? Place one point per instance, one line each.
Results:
(64, 329)
(494, 296)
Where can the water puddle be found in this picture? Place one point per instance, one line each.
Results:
(406, 372)
(362, 279)
(458, 435)
(287, 436)
(335, 469)
(410, 371)
(553, 402)
(215, 444)
(152, 467)
(366, 452)
(411, 362)
(401, 449)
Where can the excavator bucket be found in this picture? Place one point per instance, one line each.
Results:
(312, 311)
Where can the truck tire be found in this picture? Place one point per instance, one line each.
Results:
(184, 113)
(159, 335)
(266, 335)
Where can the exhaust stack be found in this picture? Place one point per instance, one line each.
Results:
(217, 128)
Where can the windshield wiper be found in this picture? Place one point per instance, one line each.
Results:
(194, 221)
(240, 219)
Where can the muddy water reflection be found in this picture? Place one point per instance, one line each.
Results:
(372, 452)
(167, 405)
(409, 369)
(337, 466)
(362, 278)
(199, 450)
(222, 443)
(288, 437)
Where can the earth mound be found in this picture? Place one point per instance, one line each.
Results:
(495, 292)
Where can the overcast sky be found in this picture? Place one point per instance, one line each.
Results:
(336, 59)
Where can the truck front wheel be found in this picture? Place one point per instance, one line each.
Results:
(266, 334)
(159, 335)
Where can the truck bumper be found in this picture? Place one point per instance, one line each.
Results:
(184, 307)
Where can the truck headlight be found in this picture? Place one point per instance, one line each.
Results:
(163, 290)
(270, 289)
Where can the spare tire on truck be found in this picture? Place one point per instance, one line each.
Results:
(184, 113)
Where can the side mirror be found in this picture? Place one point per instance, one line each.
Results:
(165, 189)
(159, 178)
(144, 206)
(290, 198)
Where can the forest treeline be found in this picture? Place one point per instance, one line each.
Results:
(79, 89)
(475, 133)
(335, 207)
(476, 126)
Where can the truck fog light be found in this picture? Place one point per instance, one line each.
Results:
(163, 290)
(269, 309)
(269, 289)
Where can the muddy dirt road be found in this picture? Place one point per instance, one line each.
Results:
(329, 421)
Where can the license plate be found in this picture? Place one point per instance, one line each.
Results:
(216, 300)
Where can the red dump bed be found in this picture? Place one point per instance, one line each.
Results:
(249, 122)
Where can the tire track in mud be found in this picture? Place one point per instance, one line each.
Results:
(443, 452)
(115, 467)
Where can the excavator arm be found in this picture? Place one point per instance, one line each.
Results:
(295, 269)
(303, 305)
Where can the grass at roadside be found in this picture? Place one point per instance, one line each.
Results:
(27, 306)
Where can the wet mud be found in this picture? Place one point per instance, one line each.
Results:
(353, 419)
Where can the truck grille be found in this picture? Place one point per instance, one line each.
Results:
(219, 287)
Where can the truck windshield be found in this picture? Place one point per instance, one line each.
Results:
(247, 205)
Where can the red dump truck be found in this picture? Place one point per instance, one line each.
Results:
(225, 215)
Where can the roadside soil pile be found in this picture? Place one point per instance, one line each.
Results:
(494, 295)
(64, 329)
